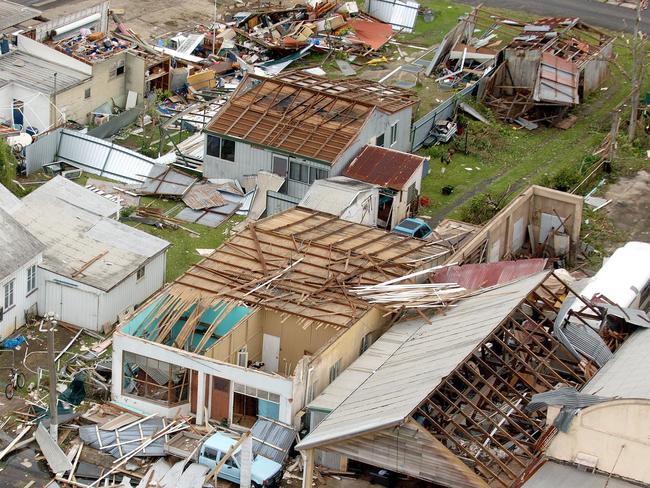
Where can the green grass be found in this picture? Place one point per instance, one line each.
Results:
(182, 253)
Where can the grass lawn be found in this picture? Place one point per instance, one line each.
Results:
(182, 253)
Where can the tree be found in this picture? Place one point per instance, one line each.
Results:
(7, 165)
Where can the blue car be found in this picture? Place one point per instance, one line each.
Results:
(413, 227)
(264, 472)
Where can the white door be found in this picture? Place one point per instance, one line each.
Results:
(71, 305)
(271, 353)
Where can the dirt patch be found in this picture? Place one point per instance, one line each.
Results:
(630, 207)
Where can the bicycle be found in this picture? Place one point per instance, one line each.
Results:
(16, 380)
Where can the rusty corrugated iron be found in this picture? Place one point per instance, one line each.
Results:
(384, 167)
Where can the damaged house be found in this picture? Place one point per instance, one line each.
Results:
(265, 323)
(444, 399)
(303, 128)
(549, 67)
(94, 268)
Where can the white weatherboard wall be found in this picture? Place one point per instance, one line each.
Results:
(198, 364)
(88, 307)
(15, 317)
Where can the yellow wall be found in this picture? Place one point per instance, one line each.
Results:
(616, 432)
(247, 333)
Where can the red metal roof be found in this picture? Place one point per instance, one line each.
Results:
(384, 167)
(477, 276)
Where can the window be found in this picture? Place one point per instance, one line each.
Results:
(393, 134)
(306, 174)
(299, 172)
(87, 94)
(140, 273)
(242, 357)
(316, 174)
(335, 369)
(379, 140)
(210, 453)
(155, 380)
(9, 295)
(120, 69)
(221, 148)
(280, 165)
(31, 279)
(366, 341)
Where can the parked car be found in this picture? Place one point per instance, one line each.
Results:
(264, 472)
(413, 227)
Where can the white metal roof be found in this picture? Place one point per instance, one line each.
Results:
(17, 245)
(361, 369)
(623, 275)
(337, 194)
(63, 189)
(556, 475)
(418, 365)
(8, 201)
(75, 236)
(12, 13)
(625, 375)
(37, 74)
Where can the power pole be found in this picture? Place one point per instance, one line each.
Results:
(637, 68)
(54, 410)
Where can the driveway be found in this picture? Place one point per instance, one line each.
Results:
(592, 12)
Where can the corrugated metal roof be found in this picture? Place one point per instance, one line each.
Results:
(74, 236)
(17, 245)
(557, 475)
(70, 192)
(13, 14)
(130, 438)
(361, 369)
(8, 201)
(384, 167)
(400, 14)
(557, 81)
(418, 366)
(334, 195)
(626, 374)
(37, 74)
(166, 180)
(103, 158)
(483, 275)
(272, 439)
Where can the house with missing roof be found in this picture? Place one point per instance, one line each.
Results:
(94, 269)
(265, 323)
(443, 399)
(20, 255)
(303, 128)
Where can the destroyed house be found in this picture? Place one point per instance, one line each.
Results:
(20, 255)
(539, 222)
(98, 71)
(551, 65)
(444, 399)
(265, 323)
(94, 268)
(303, 128)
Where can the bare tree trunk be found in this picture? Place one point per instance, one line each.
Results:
(637, 68)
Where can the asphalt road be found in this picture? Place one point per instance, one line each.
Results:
(590, 11)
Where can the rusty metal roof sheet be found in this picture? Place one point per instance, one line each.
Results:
(204, 195)
(307, 115)
(384, 167)
(477, 276)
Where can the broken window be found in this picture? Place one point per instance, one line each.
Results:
(379, 140)
(221, 148)
(120, 68)
(155, 380)
(140, 273)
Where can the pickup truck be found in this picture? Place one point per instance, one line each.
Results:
(271, 443)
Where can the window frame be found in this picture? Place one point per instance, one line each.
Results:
(335, 370)
(380, 140)
(366, 342)
(220, 145)
(31, 279)
(394, 127)
(140, 273)
(87, 93)
(9, 293)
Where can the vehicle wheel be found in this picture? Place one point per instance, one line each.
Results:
(20, 380)
(9, 391)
